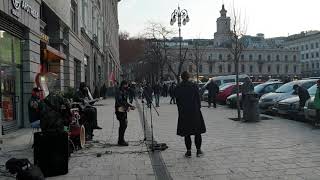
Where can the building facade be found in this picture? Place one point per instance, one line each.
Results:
(74, 39)
(308, 45)
(260, 58)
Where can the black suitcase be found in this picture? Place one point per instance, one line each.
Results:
(51, 152)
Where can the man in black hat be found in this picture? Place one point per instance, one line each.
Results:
(190, 121)
(34, 108)
(121, 108)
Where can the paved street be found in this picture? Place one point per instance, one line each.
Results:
(270, 149)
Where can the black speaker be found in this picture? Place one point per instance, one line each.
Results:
(51, 152)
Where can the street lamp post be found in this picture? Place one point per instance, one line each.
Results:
(183, 18)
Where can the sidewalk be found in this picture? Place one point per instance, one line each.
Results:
(116, 163)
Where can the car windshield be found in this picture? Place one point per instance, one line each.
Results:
(258, 88)
(286, 87)
(312, 91)
(225, 87)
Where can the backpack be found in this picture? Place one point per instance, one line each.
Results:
(24, 169)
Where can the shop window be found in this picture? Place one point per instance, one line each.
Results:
(10, 48)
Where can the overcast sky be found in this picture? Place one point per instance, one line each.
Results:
(272, 17)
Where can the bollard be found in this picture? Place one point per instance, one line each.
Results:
(250, 108)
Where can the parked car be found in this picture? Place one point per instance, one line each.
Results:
(260, 89)
(226, 91)
(291, 106)
(267, 101)
(221, 80)
(309, 109)
(205, 91)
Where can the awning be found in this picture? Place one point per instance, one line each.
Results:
(51, 54)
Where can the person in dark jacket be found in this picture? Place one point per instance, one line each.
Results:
(190, 120)
(213, 90)
(165, 90)
(90, 119)
(172, 94)
(34, 108)
(121, 108)
(147, 94)
(157, 91)
(303, 95)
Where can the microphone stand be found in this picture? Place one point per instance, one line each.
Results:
(154, 146)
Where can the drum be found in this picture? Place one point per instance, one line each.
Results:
(77, 135)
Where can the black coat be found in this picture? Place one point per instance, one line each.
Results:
(303, 96)
(213, 89)
(190, 121)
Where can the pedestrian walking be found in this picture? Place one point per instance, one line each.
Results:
(317, 104)
(213, 90)
(172, 94)
(303, 95)
(157, 91)
(147, 94)
(190, 120)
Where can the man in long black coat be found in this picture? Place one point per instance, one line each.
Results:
(190, 121)
(213, 90)
(303, 95)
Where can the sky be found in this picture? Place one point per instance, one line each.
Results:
(273, 18)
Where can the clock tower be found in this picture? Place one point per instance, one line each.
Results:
(223, 28)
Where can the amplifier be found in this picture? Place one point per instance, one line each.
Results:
(51, 152)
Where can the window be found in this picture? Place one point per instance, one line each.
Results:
(242, 57)
(312, 65)
(318, 66)
(312, 55)
(190, 68)
(229, 56)
(85, 13)
(317, 45)
(200, 68)
(229, 68)
(220, 69)
(302, 56)
(287, 68)
(278, 68)
(210, 57)
(295, 69)
(77, 73)
(269, 58)
(269, 68)
(294, 58)
(260, 57)
(250, 57)
(317, 54)
(307, 66)
(312, 46)
(251, 68)
(243, 68)
(74, 17)
(286, 57)
(302, 48)
(220, 57)
(260, 68)
(210, 68)
(278, 58)
(307, 56)
(307, 47)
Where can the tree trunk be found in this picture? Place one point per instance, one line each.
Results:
(238, 89)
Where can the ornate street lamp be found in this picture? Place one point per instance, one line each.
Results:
(183, 17)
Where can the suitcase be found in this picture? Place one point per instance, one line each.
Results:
(51, 152)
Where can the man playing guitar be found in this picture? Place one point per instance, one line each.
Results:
(122, 107)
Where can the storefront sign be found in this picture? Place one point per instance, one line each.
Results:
(44, 37)
(17, 4)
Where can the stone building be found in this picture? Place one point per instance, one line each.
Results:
(308, 45)
(75, 39)
(261, 58)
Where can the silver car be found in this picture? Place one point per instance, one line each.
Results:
(268, 101)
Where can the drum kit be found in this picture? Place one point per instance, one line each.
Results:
(77, 131)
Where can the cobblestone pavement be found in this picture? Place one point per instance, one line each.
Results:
(270, 149)
(115, 163)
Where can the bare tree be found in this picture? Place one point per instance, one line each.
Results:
(236, 47)
(198, 53)
(176, 60)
